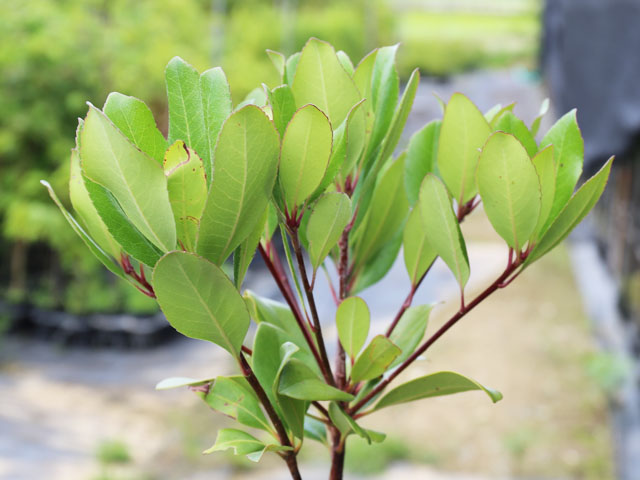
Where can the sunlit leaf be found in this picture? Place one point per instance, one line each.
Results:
(353, 319)
(374, 360)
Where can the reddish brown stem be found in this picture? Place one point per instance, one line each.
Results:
(464, 309)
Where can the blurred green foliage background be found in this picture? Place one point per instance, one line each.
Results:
(56, 55)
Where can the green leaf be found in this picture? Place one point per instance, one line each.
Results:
(321, 80)
(353, 320)
(378, 266)
(187, 188)
(135, 179)
(330, 216)
(410, 330)
(362, 77)
(315, 430)
(200, 301)
(134, 119)
(500, 111)
(400, 116)
(418, 253)
(490, 114)
(258, 97)
(290, 68)
(568, 151)
(546, 170)
(375, 359)
(278, 60)
(243, 443)
(463, 132)
(283, 106)
(535, 125)
(179, 382)
(246, 162)
(385, 87)
(100, 254)
(386, 213)
(421, 158)
(133, 242)
(198, 105)
(345, 423)
(509, 188)
(268, 360)
(306, 148)
(299, 381)
(243, 255)
(233, 397)
(345, 61)
(441, 227)
(509, 123)
(573, 213)
(434, 385)
(85, 209)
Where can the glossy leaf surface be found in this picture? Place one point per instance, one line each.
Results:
(330, 215)
(353, 320)
(374, 360)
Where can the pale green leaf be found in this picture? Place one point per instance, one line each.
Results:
(243, 254)
(509, 188)
(573, 213)
(353, 320)
(200, 301)
(135, 179)
(283, 106)
(100, 254)
(330, 216)
(216, 106)
(509, 123)
(246, 161)
(441, 227)
(418, 253)
(187, 187)
(409, 331)
(378, 266)
(179, 382)
(243, 443)
(345, 423)
(134, 119)
(546, 170)
(306, 148)
(315, 430)
(321, 80)
(290, 68)
(298, 381)
(434, 385)
(501, 110)
(278, 60)
(463, 132)
(568, 152)
(345, 61)
(422, 154)
(374, 360)
(233, 397)
(535, 125)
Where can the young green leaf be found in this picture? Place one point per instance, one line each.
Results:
(134, 119)
(385, 87)
(330, 216)
(573, 213)
(187, 187)
(568, 151)
(299, 381)
(345, 61)
(243, 254)
(490, 114)
(421, 158)
(410, 330)
(245, 169)
(243, 443)
(386, 213)
(463, 132)
(84, 207)
(283, 106)
(509, 123)
(232, 396)
(290, 68)
(535, 125)
(498, 115)
(509, 188)
(418, 253)
(378, 266)
(374, 360)
(345, 423)
(321, 80)
(546, 170)
(315, 430)
(200, 301)
(135, 179)
(293, 410)
(441, 227)
(100, 254)
(133, 242)
(434, 385)
(353, 320)
(198, 106)
(278, 60)
(306, 148)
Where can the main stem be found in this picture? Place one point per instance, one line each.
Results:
(290, 455)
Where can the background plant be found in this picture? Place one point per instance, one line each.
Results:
(313, 158)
